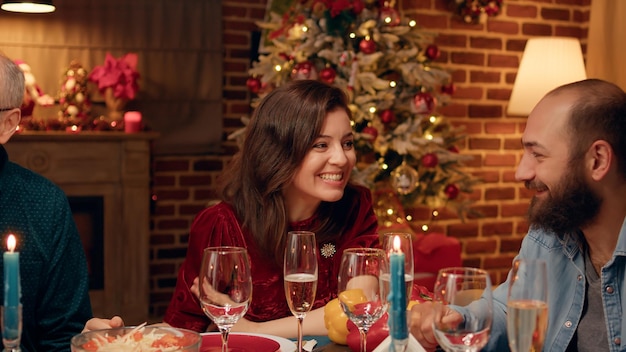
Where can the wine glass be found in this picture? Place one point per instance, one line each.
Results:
(225, 287)
(457, 288)
(300, 273)
(406, 246)
(362, 295)
(527, 305)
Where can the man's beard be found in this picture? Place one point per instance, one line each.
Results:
(569, 206)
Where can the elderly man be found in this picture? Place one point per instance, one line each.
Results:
(53, 269)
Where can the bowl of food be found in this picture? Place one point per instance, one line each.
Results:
(138, 338)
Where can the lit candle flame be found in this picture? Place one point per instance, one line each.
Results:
(396, 244)
(11, 243)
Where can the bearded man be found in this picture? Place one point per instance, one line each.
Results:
(575, 161)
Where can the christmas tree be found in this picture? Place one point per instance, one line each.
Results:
(386, 64)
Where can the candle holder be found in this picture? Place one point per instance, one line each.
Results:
(11, 327)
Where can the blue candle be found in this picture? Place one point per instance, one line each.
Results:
(397, 295)
(11, 274)
(12, 291)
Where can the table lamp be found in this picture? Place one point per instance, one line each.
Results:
(547, 62)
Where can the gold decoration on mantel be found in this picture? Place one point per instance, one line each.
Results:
(115, 106)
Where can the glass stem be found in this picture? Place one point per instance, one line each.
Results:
(225, 332)
(363, 339)
(300, 322)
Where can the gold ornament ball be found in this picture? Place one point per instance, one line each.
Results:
(404, 179)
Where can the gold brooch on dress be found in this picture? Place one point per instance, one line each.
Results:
(328, 250)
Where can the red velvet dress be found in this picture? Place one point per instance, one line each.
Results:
(217, 226)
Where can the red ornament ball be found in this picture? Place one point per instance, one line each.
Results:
(389, 16)
(370, 132)
(304, 70)
(254, 84)
(387, 116)
(448, 89)
(424, 103)
(284, 56)
(432, 52)
(451, 191)
(328, 75)
(430, 160)
(367, 46)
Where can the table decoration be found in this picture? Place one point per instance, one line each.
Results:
(398, 328)
(12, 308)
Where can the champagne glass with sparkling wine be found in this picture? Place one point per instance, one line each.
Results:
(362, 293)
(527, 305)
(467, 290)
(300, 273)
(225, 287)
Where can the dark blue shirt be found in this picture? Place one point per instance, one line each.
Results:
(53, 267)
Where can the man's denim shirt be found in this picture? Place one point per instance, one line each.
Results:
(566, 277)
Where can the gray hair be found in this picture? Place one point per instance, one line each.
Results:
(11, 83)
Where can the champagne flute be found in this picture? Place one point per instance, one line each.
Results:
(458, 287)
(362, 294)
(225, 287)
(406, 246)
(527, 305)
(300, 274)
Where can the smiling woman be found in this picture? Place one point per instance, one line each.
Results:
(291, 174)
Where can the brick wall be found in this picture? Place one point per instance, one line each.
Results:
(483, 59)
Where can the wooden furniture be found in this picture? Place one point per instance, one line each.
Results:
(116, 167)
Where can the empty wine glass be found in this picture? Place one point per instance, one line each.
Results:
(406, 246)
(527, 305)
(300, 273)
(458, 288)
(362, 295)
(225, 287)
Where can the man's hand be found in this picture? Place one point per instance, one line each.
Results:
(421, 323)
(99, 323)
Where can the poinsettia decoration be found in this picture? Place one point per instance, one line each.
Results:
(119, 74)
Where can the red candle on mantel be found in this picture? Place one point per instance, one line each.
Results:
(73, 129)
(132, 121)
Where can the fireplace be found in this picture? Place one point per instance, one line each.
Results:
(89, 218)
(106, 176)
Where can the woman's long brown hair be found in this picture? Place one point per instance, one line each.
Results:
(281, 132)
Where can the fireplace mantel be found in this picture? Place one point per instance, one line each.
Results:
(116, 167)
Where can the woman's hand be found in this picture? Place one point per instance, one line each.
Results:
(195, 287)
(100, 323)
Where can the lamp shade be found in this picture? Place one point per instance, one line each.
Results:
(29, 6)
(547, 62)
